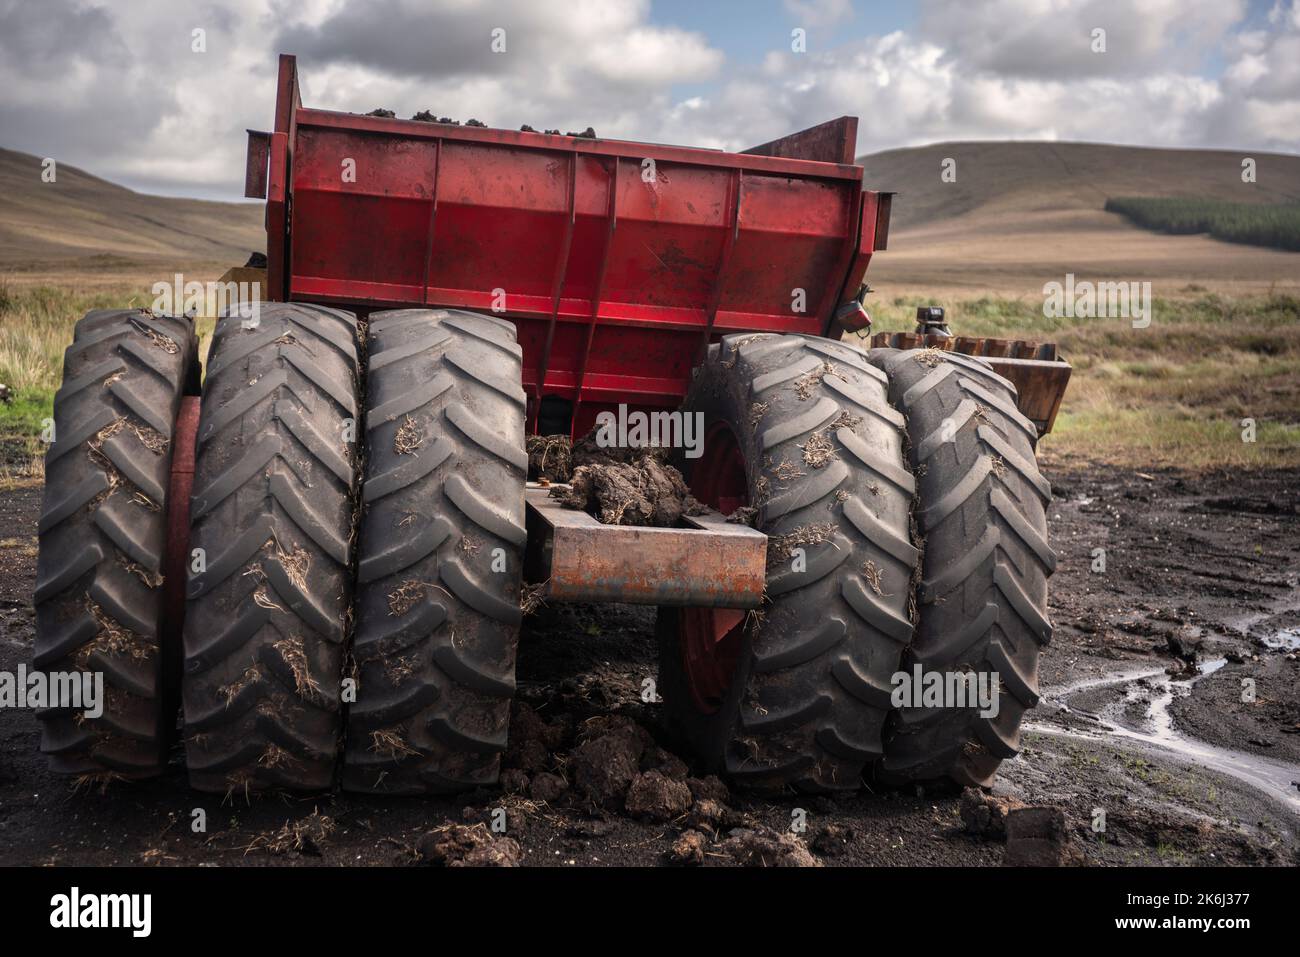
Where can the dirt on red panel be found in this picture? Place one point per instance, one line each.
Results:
(1144, 718)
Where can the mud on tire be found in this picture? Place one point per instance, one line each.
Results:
(102, 533)
(441, 553)
(273, 511)
(982, 599)
(822, 448)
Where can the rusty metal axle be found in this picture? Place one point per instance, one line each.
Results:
(711, 563)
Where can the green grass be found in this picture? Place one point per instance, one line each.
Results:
(1171, 394)
(1257, 224)
(1174, 393)
(36, 325)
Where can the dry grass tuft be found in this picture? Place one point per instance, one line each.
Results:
(930, 356)
(231, 691)
(410, 436)
(261, 594)
(389, 743)
(780, 547)
(275, 757)
(151, 579)
(113, 638)
(785, 471)
(166, 343)
(808, 382)
(93, 780)
(819, 450)
(295, 564)
(405, 597)
(291, 650)
(531, 597)
(872, 574)
(305, 836)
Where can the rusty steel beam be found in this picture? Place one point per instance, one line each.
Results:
(712, 563)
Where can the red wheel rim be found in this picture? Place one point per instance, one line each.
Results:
(712, 638)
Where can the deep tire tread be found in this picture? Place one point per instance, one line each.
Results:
(982, 598)
(101, 538)
(436, 668)
(275, 495)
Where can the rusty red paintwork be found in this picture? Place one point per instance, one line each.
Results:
(615, 279)
(177, 556)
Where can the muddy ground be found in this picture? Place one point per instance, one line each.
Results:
(1202, 576)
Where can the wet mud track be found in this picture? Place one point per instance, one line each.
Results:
(1143, 719)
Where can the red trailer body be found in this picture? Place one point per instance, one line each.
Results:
(618, 261)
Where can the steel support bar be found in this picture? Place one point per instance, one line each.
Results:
(711, 563)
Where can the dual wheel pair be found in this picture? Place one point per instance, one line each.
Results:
(371, 492)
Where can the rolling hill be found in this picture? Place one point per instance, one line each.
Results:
(81, 219)
(1023, 213)
(1018, 215)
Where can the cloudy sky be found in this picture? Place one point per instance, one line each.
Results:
(116, 88)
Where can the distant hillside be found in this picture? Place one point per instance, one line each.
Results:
(1024, 213)
(999, 176)
(81, 216)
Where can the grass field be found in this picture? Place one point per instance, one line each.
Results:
(1174, 393)
(36, 323)
(1276, 226)
(1171, 394)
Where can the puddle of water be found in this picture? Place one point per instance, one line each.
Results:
(1273, 778)
(1284, 639)
(1288, 639)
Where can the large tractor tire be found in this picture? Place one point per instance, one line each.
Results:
(441, 554)
(273, 513)
(982, 599)
(102, 534)
(798, 694)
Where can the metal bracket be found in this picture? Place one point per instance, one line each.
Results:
(711, 563)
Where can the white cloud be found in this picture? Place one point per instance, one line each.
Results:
(117, 90)
(1053, 38)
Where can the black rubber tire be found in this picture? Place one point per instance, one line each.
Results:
(441, 553)
(982, 599)
(102, 535)
(273, 508)
(810, 695)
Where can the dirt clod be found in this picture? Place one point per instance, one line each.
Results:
(643, 492)
(709, 788)
(665, 762)
(707, 814)
(832, 840)
(547, 787)
(462, 845)
(655, 797)
(515, 781)
(605, 765)
(1039, 837)
(688, 849)
(760, 846)
(985, 815)
(550, 458)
